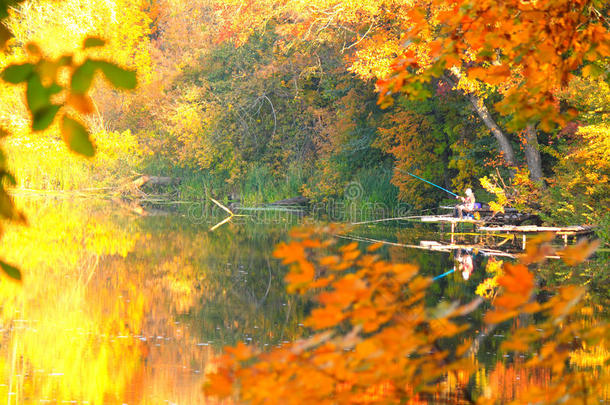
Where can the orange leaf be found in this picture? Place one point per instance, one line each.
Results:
(510, 301)
(81, 102)
(499, 316)
(325, 317)
(241, 351)
(374, 247)
(302, 274)
(350, 255)
(463, 347)
(515, 345)
(517, 279)
(329, 260)
(219, 385)
(349, 247)
(291, 253)
(578, 253)
(538, 249)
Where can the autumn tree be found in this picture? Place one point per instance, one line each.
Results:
(528, 51)
(524, 52)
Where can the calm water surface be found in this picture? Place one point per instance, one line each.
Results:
(118, 308)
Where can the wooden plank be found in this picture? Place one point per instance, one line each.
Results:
(449, 219)
(533, 228)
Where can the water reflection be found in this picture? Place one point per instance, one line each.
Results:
(119, 308)
(115, 308)
(465, 262)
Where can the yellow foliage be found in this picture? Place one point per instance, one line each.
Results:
(46, 163)
(491, 187)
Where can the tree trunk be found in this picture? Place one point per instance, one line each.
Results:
(532, 154)
(505, 146)
(480, 108)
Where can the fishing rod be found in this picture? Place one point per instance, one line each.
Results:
(429, 182)
(444, 274)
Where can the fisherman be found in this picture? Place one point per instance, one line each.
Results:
(468, 204)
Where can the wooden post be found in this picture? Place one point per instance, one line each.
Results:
(524, 241)
(565, 239)
(452, 231)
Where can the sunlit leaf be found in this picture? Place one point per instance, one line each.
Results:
(33, 50)
(8, 177)
(82, 77)
(64, 60)
(119, 77)
(44, 117)
(76, 137)
(93, 42)
(36, 94)
(8, 209)
(5, 36)
(54, 89)
(81, 102)
(17, 73)
(11, 271)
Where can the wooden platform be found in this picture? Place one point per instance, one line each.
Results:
(559, 230)
(482, 227)
(440, 247)
(449, 219)
(563, 231)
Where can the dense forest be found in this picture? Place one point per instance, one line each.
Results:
(266, 100)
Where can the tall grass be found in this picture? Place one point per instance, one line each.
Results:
(261, 186)
(45, 163)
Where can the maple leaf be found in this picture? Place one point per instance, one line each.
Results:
(289, 253)
(517, 279)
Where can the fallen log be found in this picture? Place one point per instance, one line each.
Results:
(155, 181)
(298, 200)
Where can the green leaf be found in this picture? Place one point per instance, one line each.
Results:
(17, 73)
(36, 94)
(10, 179)
(7, 207)
(82, 77)
(76, 137)
(119, 77)
(44, 117)
(3, 10)
(93, 42)
(5, 35)
(11, 271)
(54, 89)
(65, 60)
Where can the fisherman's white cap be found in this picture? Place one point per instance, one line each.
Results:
(468, 191)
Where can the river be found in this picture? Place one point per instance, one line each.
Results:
(120, 308)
